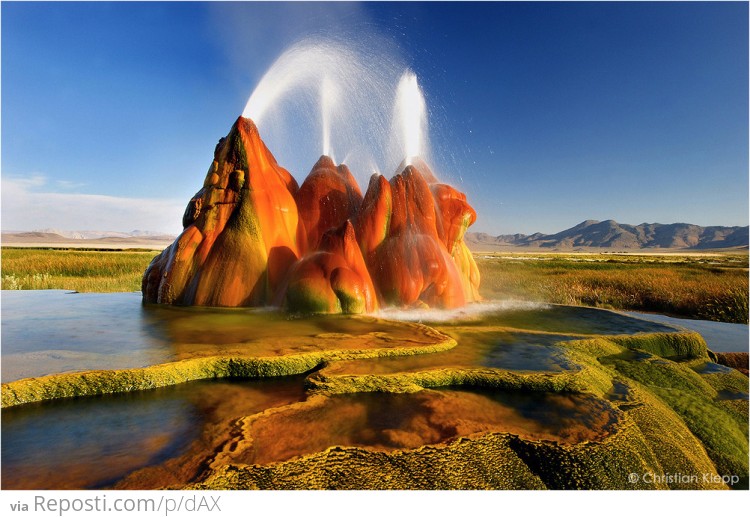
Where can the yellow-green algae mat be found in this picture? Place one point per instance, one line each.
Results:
(273, 357)
(657, 423)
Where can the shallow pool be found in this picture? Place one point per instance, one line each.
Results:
(719, 336)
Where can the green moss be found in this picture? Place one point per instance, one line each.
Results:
(414, 381)
(118, 381)
(673, 445)
(305, 299)
(722, 429)
(732, 380)
(724, 438)
(661, 373)
(672, 344)
(351, 302)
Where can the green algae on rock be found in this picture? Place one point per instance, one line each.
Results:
(648, 441)
(489, 460)
(622, 405)
(278, 358)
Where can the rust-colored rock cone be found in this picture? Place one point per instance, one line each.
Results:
(240, 236)
(327, 198)
(332, 279)
(253, 238)
(411, 231)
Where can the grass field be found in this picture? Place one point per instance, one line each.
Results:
(84, 271)
(713, 287)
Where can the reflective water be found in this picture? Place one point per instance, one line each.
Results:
(45, 332)
(720, 337)
(56, 331)
(385, 421)
(521, 351)
(166, 437)
(731, 395)
(562, 318)
(92, 442)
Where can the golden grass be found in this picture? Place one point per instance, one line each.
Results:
(84, 271)
(707, 286)
(697, 286)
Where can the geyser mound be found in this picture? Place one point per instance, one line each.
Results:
(252, 237)
(327, 198)
(240, 231)
(419, 257)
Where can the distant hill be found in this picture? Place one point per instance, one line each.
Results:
(86, 234)
(613, 235)
(86, 239)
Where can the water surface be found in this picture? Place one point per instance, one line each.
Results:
(387, 421)
(92, 442)
(558, 318)
(719, 336)
(46, 332)
(55, 331)
(520, 351)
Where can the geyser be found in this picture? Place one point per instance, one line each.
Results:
(332, 97)
(410, 117)
(240, 231)
(253, 237)
(327, 101)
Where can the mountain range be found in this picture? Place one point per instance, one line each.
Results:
(88, 234)
(86, 239)
(616, 236)
(588, 234)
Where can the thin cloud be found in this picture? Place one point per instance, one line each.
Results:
(28, 204)
(68, 185)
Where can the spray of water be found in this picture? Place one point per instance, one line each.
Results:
(472, 312)
(328, 95)
(342, 91)
(410, 117)
(351, 93)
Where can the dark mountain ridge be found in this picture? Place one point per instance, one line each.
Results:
(611, 234)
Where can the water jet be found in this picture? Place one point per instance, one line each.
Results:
(410, 117)
(254, 237)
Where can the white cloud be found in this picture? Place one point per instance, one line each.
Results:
(29, 204)
(68, 185)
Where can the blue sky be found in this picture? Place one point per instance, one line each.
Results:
(545, 114)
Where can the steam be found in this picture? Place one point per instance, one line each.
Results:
(327, 102)
(410, 116)
(356, 96)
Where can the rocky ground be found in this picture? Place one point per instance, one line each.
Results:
(411, 406)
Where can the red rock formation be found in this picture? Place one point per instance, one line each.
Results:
(404, 226)
(253, 238)
(332, 279)
(240, 231)
(455, 215)
(374, 218)
(328, 197)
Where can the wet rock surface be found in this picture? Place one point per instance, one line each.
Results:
(736, 360)
(252, 237)
(359, 402)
